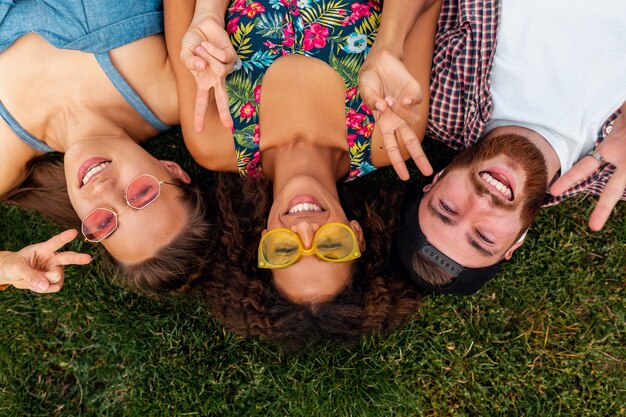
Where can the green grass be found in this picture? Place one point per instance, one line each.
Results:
(546, 338)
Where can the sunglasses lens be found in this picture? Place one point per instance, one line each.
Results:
(99, 224)
(335, 242)
(142, 191)
(279, 248)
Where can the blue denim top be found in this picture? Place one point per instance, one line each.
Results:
(92, 26)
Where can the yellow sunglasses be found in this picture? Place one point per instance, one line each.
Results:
(333, 242)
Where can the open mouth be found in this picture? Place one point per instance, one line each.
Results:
(304, 204)
(499, 182)
(90, 169)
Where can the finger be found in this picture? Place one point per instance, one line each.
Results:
(610, 196)
(54, 275)
(225, 56)
(195, 63)
(202, 105)
(221, 99)
(33, 280)
(371, 97)
(581, 170)
(54, 288)
(71, 258)
(411, 95)
(413, 145)
(191, 60)
(219, 68)
(409, 114)
(395, 156)
(57, 242)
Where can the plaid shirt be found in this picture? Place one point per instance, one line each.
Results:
(460, 83)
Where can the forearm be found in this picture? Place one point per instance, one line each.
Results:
(215, 9)
(397, 19)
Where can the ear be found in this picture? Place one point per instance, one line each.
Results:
(359, 234)
(509, 252)
(176, 171)
(435, 179)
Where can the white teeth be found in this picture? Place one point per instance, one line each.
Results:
(304, 207)
(93, 170)
(499, 186)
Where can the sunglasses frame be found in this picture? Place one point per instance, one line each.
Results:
(116, 213)
(355, 252)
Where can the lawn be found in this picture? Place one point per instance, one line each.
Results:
(546, 338)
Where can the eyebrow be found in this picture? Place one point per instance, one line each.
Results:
(478, 247)
(445, 219)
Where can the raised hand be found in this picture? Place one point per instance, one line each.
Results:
(391, 92)
(39, 267)
(613, 150)
(208, 54)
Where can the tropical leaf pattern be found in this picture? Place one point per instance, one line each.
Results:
(338, 32)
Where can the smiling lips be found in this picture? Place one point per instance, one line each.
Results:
(91, 168)
(499, 182)
(304, 204)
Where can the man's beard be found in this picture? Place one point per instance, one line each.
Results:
(522, 152)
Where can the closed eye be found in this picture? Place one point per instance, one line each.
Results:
(483, 237)
(446, 207)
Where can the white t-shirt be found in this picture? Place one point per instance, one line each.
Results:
(560, 70)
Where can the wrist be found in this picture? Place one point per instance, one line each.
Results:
(213, 9)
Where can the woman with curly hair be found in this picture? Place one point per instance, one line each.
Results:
(92, 79)
(243, 297)
(298, 102)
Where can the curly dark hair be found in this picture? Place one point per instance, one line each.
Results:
(173, 268)
(242, 296)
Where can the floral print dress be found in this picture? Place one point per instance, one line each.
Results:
(338, 32)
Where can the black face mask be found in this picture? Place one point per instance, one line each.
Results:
(409, 239)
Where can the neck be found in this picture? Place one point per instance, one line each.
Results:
(285, 162)
(553, 164)
(69, 126)
(67, 129)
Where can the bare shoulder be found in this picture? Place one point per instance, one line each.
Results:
(14, 158)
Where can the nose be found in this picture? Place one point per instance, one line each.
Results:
(103, 186)
(306, 231)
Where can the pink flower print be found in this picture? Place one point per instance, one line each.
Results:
(269, 44)
(257, 93)
(354, 119)
(360, 10)
(366, 130)
(253, 9)
(231, 27)
(366, 109)
(238, 6)
(292, 5)
(247, 111)
(252, 165)
(315, 36)
(355, 173)
(256, 137)
(351, 139)
(288, 33)
(341, 12)
(350, 93)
